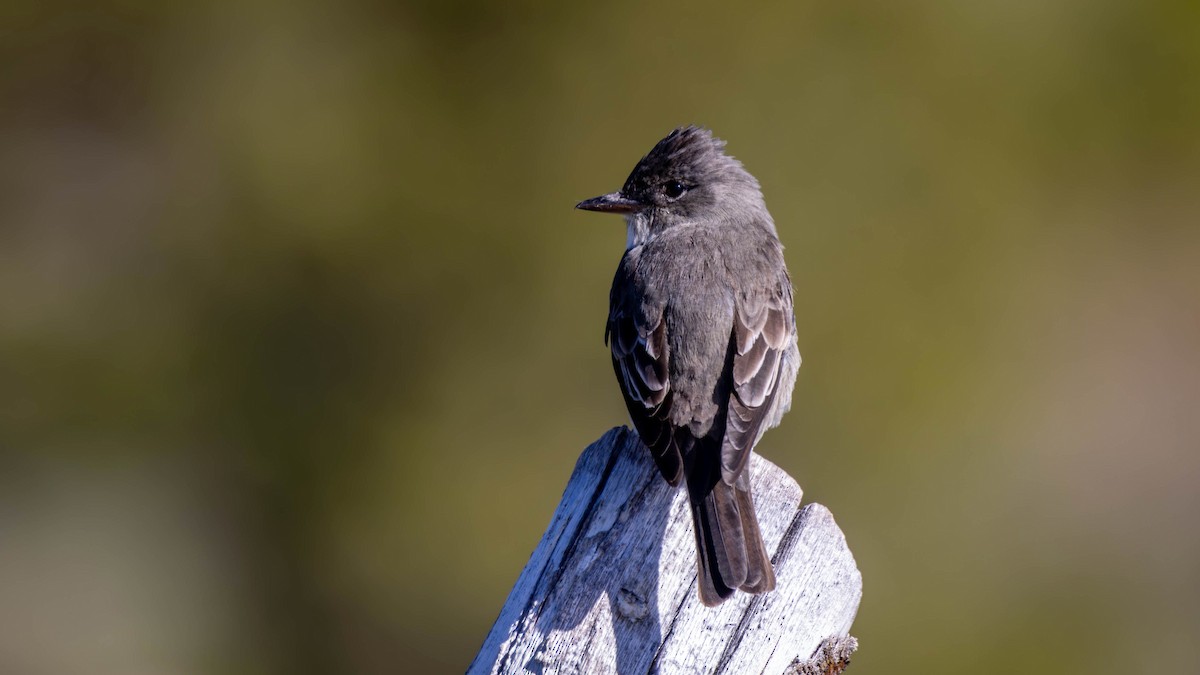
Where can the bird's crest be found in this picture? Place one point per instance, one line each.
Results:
(687, 153)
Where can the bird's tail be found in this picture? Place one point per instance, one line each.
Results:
(729, 548)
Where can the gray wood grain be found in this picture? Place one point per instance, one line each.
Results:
(611, 587)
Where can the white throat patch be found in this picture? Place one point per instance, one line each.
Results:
(637, 229)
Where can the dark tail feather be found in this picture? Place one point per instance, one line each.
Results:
(760, 577)
(729, 548)
(720, 544)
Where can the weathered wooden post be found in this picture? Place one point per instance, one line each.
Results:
(611, 587)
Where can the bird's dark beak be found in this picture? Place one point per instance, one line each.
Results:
(614, 202)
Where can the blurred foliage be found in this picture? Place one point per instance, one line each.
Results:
(300, 337)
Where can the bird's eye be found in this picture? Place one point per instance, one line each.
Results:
(674, 189)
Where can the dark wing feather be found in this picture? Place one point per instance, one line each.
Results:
(637, 336)
(762, 330)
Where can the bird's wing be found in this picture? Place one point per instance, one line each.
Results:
(763, 327)
(637, 336)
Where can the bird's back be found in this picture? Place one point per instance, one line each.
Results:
(696, 279)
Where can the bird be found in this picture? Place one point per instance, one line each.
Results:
(702, 332)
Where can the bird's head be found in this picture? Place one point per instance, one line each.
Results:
(685, 178)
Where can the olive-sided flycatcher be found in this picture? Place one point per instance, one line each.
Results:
(703, 340)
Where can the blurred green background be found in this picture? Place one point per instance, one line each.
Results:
(300, 337)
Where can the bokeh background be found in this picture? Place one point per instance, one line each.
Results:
(300, 336)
